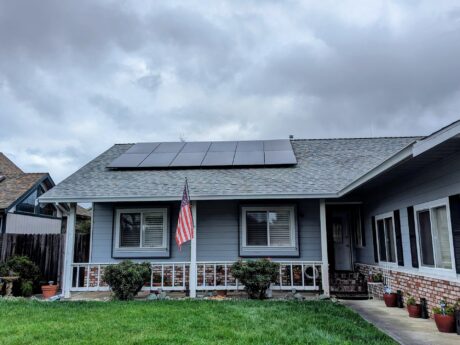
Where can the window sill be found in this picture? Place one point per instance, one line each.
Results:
(127, 253)
(269, 252)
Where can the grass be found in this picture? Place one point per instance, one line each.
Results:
(184, 322)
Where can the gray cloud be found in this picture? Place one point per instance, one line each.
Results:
(76, 77)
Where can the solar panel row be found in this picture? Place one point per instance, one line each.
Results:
(195, 154)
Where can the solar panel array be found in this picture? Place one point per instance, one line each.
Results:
(207, 154)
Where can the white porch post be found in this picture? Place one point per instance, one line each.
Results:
(192, 278)
(325, 268)
(68, 253)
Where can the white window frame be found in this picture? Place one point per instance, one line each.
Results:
(428, 206)
(141, 211)
(382, 217)
(292, 226)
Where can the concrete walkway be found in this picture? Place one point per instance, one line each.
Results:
(396, 323)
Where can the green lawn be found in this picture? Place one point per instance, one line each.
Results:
(184, 322)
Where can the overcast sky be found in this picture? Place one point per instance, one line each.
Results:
(79, 76)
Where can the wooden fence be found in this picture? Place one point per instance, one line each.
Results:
(45, 250)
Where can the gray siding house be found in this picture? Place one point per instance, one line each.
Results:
(331, 211)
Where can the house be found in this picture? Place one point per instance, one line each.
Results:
(331, 211)
(20, 212)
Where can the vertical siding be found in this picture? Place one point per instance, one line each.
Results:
(217, 231)
(427, 184)
(23, 224)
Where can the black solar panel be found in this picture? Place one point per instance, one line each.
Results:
(143, 148)
(277, 145)
(128, 160)
(250, 146)
(185, 159)
(196, 147)
(169, 147)
(249, 158)
(161, 159)
(218, 159)
(207, 154)
(223, 146)
(279, 157)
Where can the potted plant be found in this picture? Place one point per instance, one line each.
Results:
(377, 278)
(49, 290)
(414, 309)
(444, 317)
(390, 298)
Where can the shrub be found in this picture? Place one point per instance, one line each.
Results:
(126, 278)
(256, 276)
(26, 270)
(411, 300)
(377, 278)
(448, 309)
(27, 288)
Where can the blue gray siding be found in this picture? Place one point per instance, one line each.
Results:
(217, 235)
(429, 183)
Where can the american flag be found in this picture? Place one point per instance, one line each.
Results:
(185, 229)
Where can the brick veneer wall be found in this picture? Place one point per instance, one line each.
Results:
(433, 289)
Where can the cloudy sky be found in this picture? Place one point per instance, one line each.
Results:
(78, 76)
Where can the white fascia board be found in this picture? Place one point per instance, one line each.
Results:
(436, 139)
(399, 157)
(192, 197)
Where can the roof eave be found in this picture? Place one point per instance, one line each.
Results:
(178, 198)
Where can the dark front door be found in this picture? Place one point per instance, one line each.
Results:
(343, 222)
(341, 238)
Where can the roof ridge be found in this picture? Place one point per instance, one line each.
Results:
(363, 138)
(297, 139)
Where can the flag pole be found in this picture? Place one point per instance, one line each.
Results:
(193, 266)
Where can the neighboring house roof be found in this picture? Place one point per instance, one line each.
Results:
(16, 183)
(83, 212)
(324, 167)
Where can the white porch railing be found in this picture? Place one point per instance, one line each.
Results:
(213, 275)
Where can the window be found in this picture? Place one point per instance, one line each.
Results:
(268, 230)
(386, 238)
(28, 204)
(434, 234)
(141, 229)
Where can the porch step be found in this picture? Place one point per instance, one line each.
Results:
(348, 283)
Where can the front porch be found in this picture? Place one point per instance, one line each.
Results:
(204, 264)
(210, 276)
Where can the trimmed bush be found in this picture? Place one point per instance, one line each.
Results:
(28, 273)
(126, 278)
(256, 275)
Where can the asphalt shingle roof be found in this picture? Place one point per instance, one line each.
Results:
(325, 166)
(15, 182)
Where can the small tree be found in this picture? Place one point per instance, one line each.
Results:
(256, 275)
(126, 278)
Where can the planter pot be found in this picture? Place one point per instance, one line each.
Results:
(414, 310)
(390, 299)
(49, 290)
(222, 293)
(445, 323)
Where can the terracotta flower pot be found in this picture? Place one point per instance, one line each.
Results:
(390, 299)
(445, 323)
(414, 310)
(49, 290)
(222, 293)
